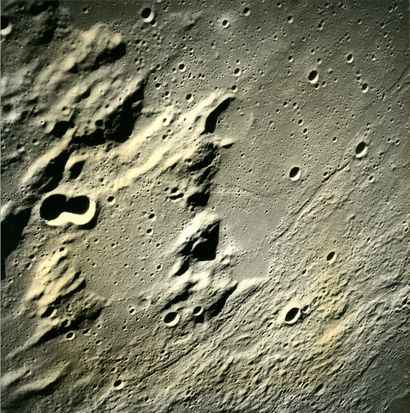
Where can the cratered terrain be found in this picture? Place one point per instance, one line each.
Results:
(205, 206)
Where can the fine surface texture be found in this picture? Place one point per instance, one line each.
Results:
(205, 206)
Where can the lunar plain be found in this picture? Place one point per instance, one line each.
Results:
(205, 206)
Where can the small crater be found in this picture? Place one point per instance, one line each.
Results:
(365, 87)
(313, 77)
(197, 311)
(361, 150)
(118, 384)
(175, 194)
(349, 58)
(294, 173)
(331, 256)
(147, 15)
(319, 389)
(171, 319)
(5, 26)
(293, 315)
(70, 336)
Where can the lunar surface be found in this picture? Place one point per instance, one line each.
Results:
(205, 206)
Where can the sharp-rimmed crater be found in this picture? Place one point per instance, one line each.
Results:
(59, 209)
